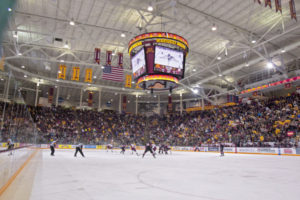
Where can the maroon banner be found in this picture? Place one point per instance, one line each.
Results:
(150, 58)
(97, 55)
(287, 85)
(90, 99)
(278, 5)
(124, 103)
(293, 10)
(108, 57)
(257, 1)
(268, 3)
(50, 95)
(170, 104)
(120, 59)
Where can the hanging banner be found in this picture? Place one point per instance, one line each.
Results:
(76, 73)
(108, 57)
(62, 72)
(97, 55)
(50, 95)
(268, 3)
(287, 86)
(128, 81)
(120, 59)
(88, 75)
(90, 99)
(293, 9)
(170, 104)
(257, 1)
(124, 103)
(278, 5)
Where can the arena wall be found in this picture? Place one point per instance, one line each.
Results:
(239, 150)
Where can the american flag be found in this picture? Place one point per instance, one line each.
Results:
(113, 73)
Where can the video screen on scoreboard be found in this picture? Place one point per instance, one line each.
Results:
(169, 61)
(138, 63)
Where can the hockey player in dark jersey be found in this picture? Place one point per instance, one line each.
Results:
(161, 149)
(133, 149)
(148, 147)
(52, 147)
(222, 149)
(79, 149)
(166, 148)
(197, 148)
(10, 146)
(123, 147)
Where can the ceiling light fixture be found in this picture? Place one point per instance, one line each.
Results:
(9, 9)
(214, 27)
(133, 82)
(15, 35)
(62, 61)
(219, 57)
(19, 54)
(25, 76)
(123, 35)
(102, 67)
(253, 41)
(150, 8)
(270, 65)
(95, 76)
(194, 70)
(282, 50)
(22, 66)
(72, 23)
(195, 91)
(220, 75)
(247, 64)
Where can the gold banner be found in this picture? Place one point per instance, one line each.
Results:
(76, 74)
(88, 75)
(62, 72)
(128, 81)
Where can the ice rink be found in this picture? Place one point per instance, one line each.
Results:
(182, 175)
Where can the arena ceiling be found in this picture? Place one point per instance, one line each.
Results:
(250, 33)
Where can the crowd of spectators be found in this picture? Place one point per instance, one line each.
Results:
(272, 122)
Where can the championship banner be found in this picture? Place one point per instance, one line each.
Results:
(88, 75)
(50, 95)
(124, 103)
(120, 59)
(97, 55)
(293, 10)
(170, 104)
(90, 99)
(287, 85)
(278, 5)
(76, 73)
(128, 81)
(108, 57)
(257, 1)
(268, 3)
(62, 72)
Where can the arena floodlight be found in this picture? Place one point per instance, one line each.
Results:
(9, 9)
(219, 58)
(214, 27)
(150, 8)
(25, 76)
(72, 23)
(123, 35)
(270, 65)
(282, 50)
(22, 66)
(253, 41)
(195, 91)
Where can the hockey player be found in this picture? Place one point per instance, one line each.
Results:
(123, 147)
(154, 148)
(148, 147)
(79, 148)
(166, 148)
(109, 146)
(222, 149)
(133, 149)
(52, 147)
(10, 146)
(161, 149)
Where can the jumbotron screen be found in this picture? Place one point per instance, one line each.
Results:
(168, 61)
(138, 63)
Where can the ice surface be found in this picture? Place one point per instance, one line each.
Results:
(182, 175)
